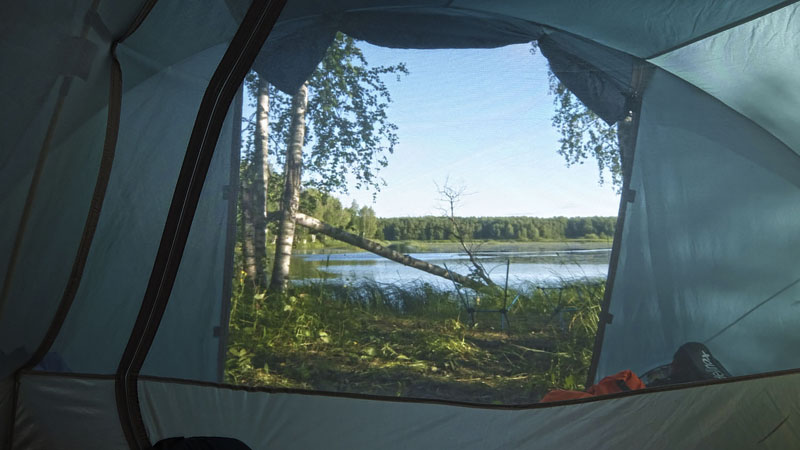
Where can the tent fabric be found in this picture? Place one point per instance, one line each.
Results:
(156, 120)
(701, 417)
(708, 249)
(187, 342)
(297, 45)
(31, 88)
(67, 413)
(710, 235)
(640, 28)
(759, 58)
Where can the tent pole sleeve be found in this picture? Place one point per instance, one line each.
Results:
(223, 86)
(231, 192)
(90, 226)
(639, 81)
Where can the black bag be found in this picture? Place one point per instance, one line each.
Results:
(694, 362)
(200, 443)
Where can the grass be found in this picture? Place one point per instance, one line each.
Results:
(413, 340)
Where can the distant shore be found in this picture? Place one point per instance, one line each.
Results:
(479, 246)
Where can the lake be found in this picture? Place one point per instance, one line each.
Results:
(539, 266)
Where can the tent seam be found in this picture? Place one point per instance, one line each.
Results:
(724, 28)
(521, 407)
(381, 398)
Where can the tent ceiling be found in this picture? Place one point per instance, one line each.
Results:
(639, 27)
(752, 68)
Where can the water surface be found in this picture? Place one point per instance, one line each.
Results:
(538, 267)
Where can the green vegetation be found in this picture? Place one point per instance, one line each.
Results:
(413, 341)
(433, 228)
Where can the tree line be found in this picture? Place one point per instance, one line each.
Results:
(434, 228)
(362, 221)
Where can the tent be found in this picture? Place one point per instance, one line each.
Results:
(116, 162)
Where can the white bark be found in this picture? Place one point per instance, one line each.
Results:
(291, 192)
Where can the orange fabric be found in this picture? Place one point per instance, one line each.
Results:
(559, 395)
(608, 385)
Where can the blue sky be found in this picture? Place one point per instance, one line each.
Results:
(480, 117)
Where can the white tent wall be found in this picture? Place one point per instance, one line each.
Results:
(712, 233)
(156, 120)
(67, 413)
(692, 418)
(47, 46)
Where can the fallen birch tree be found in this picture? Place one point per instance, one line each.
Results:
(321, 227)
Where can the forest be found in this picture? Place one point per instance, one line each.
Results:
(363, 222)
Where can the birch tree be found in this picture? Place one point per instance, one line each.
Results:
(340, 115)
(255, 178)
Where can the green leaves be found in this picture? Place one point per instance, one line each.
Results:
(348, 127)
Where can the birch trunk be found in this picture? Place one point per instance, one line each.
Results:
(248, 232)
(291, 192)
(318, 226)
(260, 183)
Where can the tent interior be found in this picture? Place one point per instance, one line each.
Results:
(127, 315)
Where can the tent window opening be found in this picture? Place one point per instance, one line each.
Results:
(447, 240)
(436, 215)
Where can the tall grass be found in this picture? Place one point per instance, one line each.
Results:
(414, 340)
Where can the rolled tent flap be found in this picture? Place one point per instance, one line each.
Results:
(292, 52)
(599, 76)
(295, 47)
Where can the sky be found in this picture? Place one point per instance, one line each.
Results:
(478, 119)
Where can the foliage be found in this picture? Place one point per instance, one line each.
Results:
(347, 126)
(584, 135)
(429, 228)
